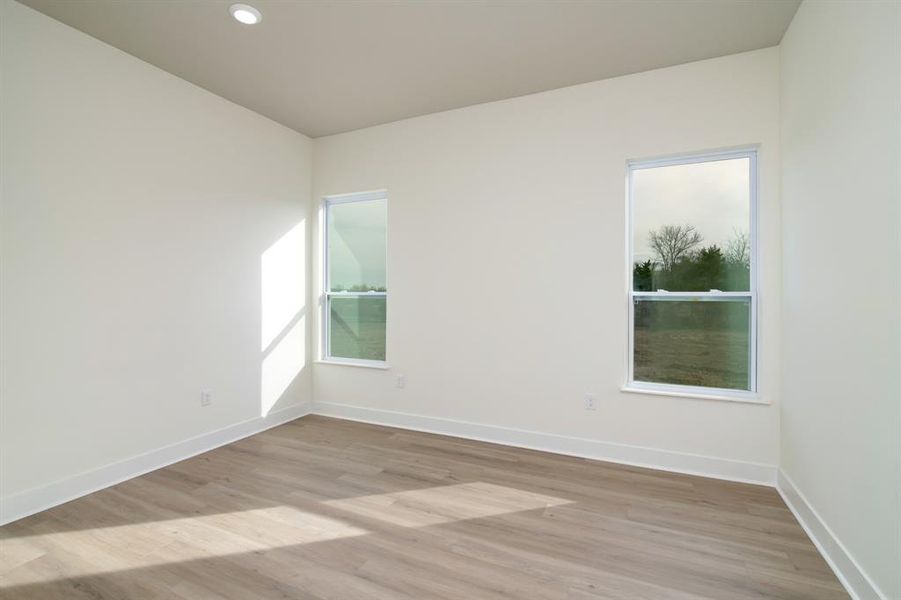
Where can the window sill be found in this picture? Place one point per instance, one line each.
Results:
(366, 364)
(748, 398)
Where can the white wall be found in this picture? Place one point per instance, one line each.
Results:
(136, 211)
(841, 398)
(506, 235)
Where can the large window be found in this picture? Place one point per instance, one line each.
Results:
(355, 287)
(693, 297)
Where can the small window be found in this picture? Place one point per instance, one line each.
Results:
(693, 297)
(356, 293)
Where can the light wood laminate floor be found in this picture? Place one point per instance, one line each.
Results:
(329, 509)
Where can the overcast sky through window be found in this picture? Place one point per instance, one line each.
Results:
(712, 196)
(356, 239)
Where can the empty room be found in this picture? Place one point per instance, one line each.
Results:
(450, 299)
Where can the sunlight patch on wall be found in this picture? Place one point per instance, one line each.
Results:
(285, 360)
(282, 285)
(283, 322)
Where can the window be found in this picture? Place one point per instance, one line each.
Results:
(692, 295)
(355, 287)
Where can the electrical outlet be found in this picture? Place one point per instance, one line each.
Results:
(591, 402)
(401, 381)
(206, 397)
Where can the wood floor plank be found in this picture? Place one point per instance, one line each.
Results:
(322, 508)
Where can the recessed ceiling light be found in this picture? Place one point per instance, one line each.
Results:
(246, 14)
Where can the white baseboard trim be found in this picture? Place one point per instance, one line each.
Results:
(654, 458)
(857, 583)
(28, 502)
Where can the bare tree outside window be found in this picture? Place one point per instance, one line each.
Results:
(738, 249)
(673, 242)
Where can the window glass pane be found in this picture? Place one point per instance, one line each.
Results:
(356, 246)
(357, 327)
(692, 342)
(691, 227)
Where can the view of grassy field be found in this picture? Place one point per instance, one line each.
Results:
(693, 343)
(357, 326)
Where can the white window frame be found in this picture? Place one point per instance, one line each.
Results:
(327, 294)
(691, 391)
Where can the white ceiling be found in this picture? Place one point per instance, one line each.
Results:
(327, 66)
